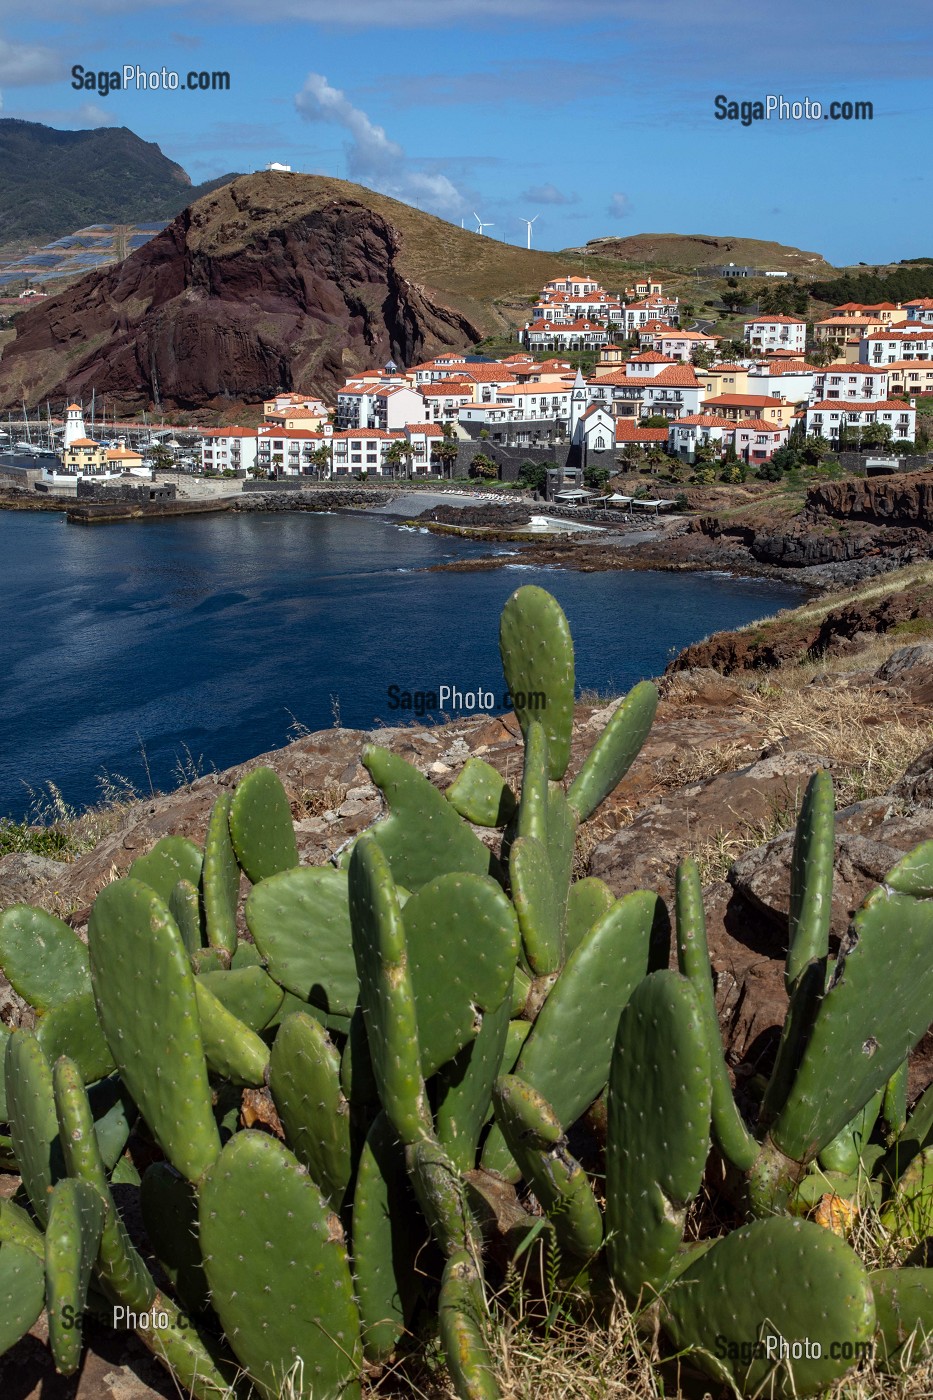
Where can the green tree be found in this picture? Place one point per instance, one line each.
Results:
(733, 298)
(320, 460)
(595, 477)
(399, 456)
(484, 467)
(702, 357)
(876, 435)
(533, 475)
(656, 420)
(448, 448)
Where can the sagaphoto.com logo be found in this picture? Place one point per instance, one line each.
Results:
(132, 78)
(776, 107)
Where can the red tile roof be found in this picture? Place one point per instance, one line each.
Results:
(628, 430)
(745, 401)
(855, 406)
(775, 320)
(759, 425)
(677, 376)
(704, 420)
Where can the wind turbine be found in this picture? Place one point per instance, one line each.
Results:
(479, 223)
(529, 222)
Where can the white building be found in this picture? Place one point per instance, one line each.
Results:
(776, 332)
(572, 335)
(685, 435)
(74, 426)
(886, 347)
(674, 392)
(386, 406)
(863, 383)
(637, 314)
(228, 449)
(827, 416)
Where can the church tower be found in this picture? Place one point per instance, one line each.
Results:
(577, 405)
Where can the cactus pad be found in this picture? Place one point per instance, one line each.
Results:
(43, 959)
(464, 1088)
(261, 828)
(72, 1238)
(588, 901)
(904, 1305)
(537, 658)
(220, 877)
(300, 920)
(536, 904)
(169, 1207)
(461, 1313)
(386, 994)
(481, 795)
(22, 1292)
(33, 1121)
(615, 750)
(72, 1028)
(384, 1244)
(858, 1038)
(248, 992)
(577, 1024)
(422, 836)
(184, 905)
(658, 1130)
(172, 859)
(146, 1000)
(304, 1079)
(726, 1305)
(276, 1263)
(462, 940)
(811, 878)
(230, 1048)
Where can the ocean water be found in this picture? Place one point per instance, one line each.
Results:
(141, 650)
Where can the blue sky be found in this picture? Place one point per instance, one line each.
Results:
(595, 115)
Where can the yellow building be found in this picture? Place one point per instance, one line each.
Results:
(83, 455)
(723, 379)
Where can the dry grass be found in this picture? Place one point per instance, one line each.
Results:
(314, 802)
(697, 765)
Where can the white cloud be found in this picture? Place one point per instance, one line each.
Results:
(372, 157)
(24, 64)
(619, 206)
(548, 194)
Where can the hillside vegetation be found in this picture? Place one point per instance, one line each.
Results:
(53, 182)
(691, 250)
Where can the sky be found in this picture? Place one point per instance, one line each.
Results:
(595, 118)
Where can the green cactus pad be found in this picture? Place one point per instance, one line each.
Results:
(301, 923)
(16, 1227)
(464, 1088)
(172, 859)
(72, 1028)
(276, 1262)
(386, 994)
(44, 960)
(532, 817)
(537, 658)
(894, 1102)
(304, 1079)
(481, 795)
(72, 1238)
(220, 877)
(561, 840)
(726, 1305)
(735, 1141)
(615, 750)
(913, 873)
(231, 1049)
(845, 1151)
(858, 1038)
(169, 1206)
(385, 1244)
(261, 829)
(22, 1293)
(119, 1265)
(811, 879)
(249, 993)
(560, 1184)
(184, 905)
(461, 1312)
(589, 900)
(33, 1121)
(536, 904)
(576, 1027)
(657, 1138)
(193, 1359)
(904, 1307)
(462, 941)
(147, 1003)
(422, 836)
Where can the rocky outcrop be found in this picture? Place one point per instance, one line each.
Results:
(886, 500)
(234, 301)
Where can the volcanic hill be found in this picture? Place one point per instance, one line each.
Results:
(274, 281)
(690, 250)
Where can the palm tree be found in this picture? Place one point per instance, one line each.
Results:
(400, 455)
(448, 448)
(320, 459)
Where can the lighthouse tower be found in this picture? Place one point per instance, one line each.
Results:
(74, 424)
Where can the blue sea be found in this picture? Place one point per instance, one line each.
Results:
(144, 650)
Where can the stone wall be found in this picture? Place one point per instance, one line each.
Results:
(315, 498)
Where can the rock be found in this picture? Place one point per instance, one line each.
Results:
(26, 878)
(258, 285)
(906, 660)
